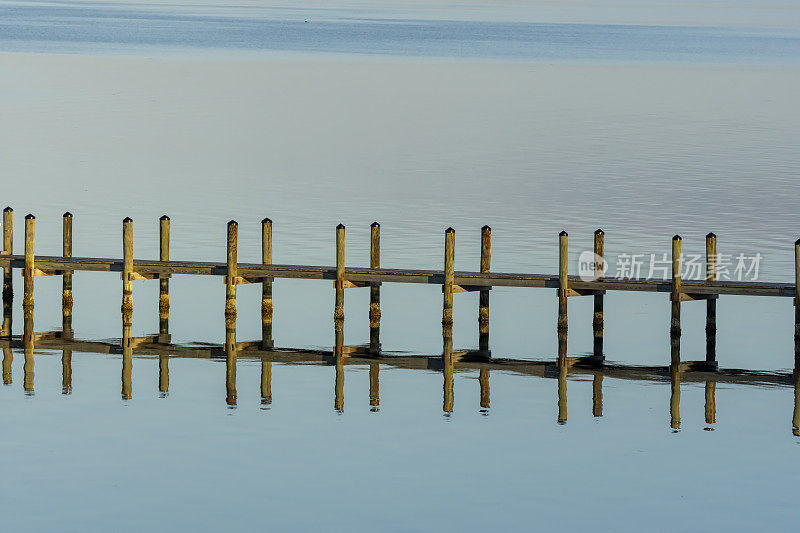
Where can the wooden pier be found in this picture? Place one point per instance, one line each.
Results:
(343, 277)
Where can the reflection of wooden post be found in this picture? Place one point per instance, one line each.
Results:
(66, 371)
(163, 375)
(447, 360)
(27, 340)
(127, 361)
(563, 282)
(375, 291)
(230, 279)
(483, 303)
(266, 381)
(449, 276)
(66, 277)
(374, 386)
(231, 355)
(711, 407)
(338, 356)
(8, 287)
(597, 395)
(597, 321)
(562, 376)
(711, 304)
(266, 286)
(338, 311)
(127, 271)
(163, 282)
(27, 294)
(8, 360)
(675, 297)
(797, 303)
(675, 397)
(486, 392)
(796, 413)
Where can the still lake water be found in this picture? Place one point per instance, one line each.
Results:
(644, 119)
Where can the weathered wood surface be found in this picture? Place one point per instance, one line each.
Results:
(391, 275)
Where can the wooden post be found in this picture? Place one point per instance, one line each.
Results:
(163, 283)
(375, 291)
(795, 413)
(449, 276)
(266, 381)
(675, 397)
(266, 287)
(66, 278)
(597, 320)
(597, 395)
(27, 340)
(127, 272)
(8, 360)
(231, 356)
(127, 360)
(8, 287)
(66, 371)
(27, 294)
(338, 356)
(374, 387)
(163, 375)
(338, 312)
(563, 369)
(675, 297)
(447, 369)
(486, 392)
(563, 282)
(710, 406)
(797, 303)
(483, 302)
(230, 279)
(711, 304)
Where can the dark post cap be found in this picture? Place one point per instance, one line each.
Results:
(164, 217)
(598, 231)
(7, 209)
(711, 235)
(233, 223)
(676, 238)
(797, 242)
(486, 228)
(340, 226)
(266, 220)
(374, 225)
(127, 219)
(67, 215)
(29, 216)
(449, 230)
(563, 234)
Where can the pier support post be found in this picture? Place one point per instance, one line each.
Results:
(483, 302)
(374, 387)
(8, 287)
(8, 360)
(127, 271)
(66, 278)
(448, 364)
(27, 293)
(127, 359)
(486, 391)
(375, 291)
(230, 279)
(338, 310)
(597, 320)
(675, 297)
(563, 282)
(266, 287)
(449, 278)
(27, 340)
(711, 303)
(338, 359)
(675, 397)
(163, 283)
(163, 375)
(597, 395)
(266, 381)
(710, 404)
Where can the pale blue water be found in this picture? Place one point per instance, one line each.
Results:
(645, 118)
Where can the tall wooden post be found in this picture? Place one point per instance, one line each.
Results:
(486, 392)
(448, 364)
(266, 287)
(127, 359)
(338, 311)
(449, 276)
(711, 303)
(563, 282)
(597, 395)
(374, 386)
(27, 294)
(266, 381)
(562, 394)
(375, 291)
(483, 301)
(675, 397)
(163, 375)
(338, 357)
(8, 287)
(597, 320)
(163, 283)
(8, 360)
(231, 349)
(66, 277)
(127, 271)
(710, 404)
(66, 371)
(27, 340)
(675, 297)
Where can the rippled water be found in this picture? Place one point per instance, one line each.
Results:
(643, 120)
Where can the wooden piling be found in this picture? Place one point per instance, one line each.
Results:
(486, 392)
(232, 273)
(675, 297)
(795, 412)
(231, 356)
(266, 381)
(338, 310)
(66, 371)
(597, 319)
(448, 399)
(675, 397)
(28, 346)
(375, 290)
(338, 359)
(163, 282)
(563, 282)
(8, 361)
(797, 303)
(563, 369)
(266, 286)
(597, 395)
(163, 375)
(449, 276)
(710, 403)
(711, 303)
(483, 301)
(27, 293)
(127, 271)
(374, 386)
(8, 287)
(66, 277)
(127, 359)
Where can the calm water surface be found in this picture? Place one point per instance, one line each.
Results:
(642, 119)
